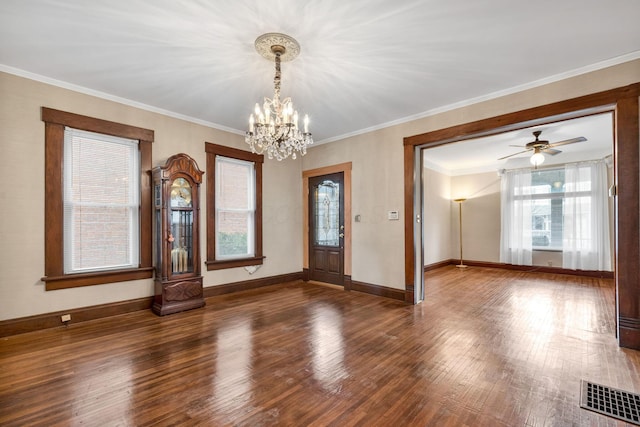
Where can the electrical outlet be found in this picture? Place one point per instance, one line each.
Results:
(550, 263)
(65, 318)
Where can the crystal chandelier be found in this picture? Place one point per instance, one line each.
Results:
(274, 128)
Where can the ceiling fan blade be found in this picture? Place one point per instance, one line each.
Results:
(519, 146)
(514, 154)
(551, 151)
(568, 141)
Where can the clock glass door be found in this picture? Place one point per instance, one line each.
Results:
(181, 236)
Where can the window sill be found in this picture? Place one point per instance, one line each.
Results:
(232, 263)
(53, 283)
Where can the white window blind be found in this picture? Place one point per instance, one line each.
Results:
(235, 208)
(101, 202)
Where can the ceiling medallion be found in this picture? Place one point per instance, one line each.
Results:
(274, 128)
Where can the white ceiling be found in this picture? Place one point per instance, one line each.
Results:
(363, 64)
(480, 155)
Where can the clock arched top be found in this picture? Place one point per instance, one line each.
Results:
(184, 164)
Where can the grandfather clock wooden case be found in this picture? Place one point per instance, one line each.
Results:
(176, 225)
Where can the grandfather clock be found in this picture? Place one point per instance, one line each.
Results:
(176, 225)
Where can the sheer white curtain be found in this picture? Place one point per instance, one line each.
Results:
(585, 236)
(515, 238)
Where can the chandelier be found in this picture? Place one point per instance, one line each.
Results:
(273, 129)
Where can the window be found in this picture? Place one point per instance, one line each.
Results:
(101, 202)
(547, 194)
(234, 207)
(562, 209)
(97, 201)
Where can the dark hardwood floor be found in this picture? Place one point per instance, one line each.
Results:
(487, 348)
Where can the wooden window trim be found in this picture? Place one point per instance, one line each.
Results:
(55, 122)
(212, 151)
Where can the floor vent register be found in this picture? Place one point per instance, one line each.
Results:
(609, 401)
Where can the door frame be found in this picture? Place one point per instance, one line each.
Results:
(345, 168)
(624, 102)
(321, 270)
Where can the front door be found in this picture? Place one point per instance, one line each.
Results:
(326, 228)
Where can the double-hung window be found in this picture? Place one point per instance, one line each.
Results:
(97, 201)
(234, 207)
(101, 202)
(547, 195)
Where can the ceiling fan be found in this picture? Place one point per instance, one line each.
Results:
(541, 146)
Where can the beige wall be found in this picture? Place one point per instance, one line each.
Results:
(437, 221)
(480, 217)
(22, 197)
(376, 188)
(377, 185)
(377, 159)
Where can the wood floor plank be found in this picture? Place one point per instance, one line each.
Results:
(487, 347)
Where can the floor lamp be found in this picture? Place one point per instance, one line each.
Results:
(459, 202)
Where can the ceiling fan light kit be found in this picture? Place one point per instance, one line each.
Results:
(537, 159)
(274, 127)
(542, 147)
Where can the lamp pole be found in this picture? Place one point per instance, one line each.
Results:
(459, 202)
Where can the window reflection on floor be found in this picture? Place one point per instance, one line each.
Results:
(538, 318)
(102, 381)
(327, 344)
(233, 365)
